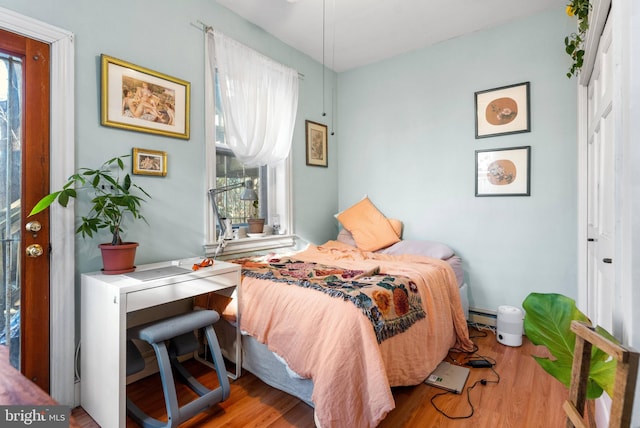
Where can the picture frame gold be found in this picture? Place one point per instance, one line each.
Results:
(503, 172)
(502, 111)
(316, 148)
(139, 99)
(149, 162)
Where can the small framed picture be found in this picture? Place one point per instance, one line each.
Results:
(139, 99)
(502, 111)
(316, 143)
(149, 162)
(503, 172)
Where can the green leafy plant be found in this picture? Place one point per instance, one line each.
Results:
(574, 43)
(547, 322)
(113, 198)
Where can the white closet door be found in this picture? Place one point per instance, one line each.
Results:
(601, 292)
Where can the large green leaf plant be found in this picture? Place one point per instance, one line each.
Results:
(547, 322)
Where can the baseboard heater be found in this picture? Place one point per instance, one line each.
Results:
(483, 317)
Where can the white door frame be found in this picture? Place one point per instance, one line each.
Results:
(597, 20)
(62, 280)
(627, 130)
(626, 100)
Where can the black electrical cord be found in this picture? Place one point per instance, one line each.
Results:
(480, 334)
(483, 382)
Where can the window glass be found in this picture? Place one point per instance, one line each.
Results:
(230, 172)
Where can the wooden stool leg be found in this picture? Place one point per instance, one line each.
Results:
(579, 379)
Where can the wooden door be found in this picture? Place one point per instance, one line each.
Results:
(601, 187)
(25, 157)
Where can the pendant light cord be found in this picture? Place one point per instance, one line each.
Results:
(333, 60)
(324, 13)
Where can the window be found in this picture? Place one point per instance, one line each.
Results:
(229, 171)
(272, 184)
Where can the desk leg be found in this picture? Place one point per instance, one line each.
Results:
(238, 355)
(206, 303)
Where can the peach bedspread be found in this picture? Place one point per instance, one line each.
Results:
(331, 342)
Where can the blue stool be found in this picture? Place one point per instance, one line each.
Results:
(179, 332)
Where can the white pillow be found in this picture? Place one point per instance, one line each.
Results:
(432, 249)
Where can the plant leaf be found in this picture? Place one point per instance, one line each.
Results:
(547, 322)
(558, 369)
(44, 203)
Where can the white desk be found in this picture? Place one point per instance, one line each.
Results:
(107, 302)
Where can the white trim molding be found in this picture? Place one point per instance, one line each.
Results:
(62, 277)
(251, 245)
(597, 19)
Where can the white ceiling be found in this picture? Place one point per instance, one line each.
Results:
(367, 31)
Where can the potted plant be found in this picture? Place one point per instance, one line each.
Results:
(256, 224)
(114, 199)
(547, 322)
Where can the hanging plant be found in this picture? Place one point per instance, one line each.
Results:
(574, 43)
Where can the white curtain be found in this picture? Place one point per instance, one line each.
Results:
(259, 101)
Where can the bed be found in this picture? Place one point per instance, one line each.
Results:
(338, 325)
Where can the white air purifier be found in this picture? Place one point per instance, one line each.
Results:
(510, 325)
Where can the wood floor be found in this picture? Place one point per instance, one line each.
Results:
(525, 396)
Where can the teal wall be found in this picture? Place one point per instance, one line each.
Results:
(407, 139)
(404, 136)
(158, 35)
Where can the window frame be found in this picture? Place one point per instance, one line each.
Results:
(278, 199)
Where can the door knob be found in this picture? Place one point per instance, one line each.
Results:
(34, 250)
(607, 260)
(33, 226)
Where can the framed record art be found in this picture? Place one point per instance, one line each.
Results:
(503, 172)
(503, 111)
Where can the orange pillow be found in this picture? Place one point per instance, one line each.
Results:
(397, 226)
(370, 228)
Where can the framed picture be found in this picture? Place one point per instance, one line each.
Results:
(316, 143)
(149, 162)
(139, 99)
(503, 172)
(502, 111)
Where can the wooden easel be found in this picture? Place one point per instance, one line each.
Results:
(625, 380)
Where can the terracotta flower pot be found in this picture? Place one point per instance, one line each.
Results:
(256, 225)
(118, 258)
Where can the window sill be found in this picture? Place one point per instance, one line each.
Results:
(248, 245)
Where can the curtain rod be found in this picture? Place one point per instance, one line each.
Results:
(201, 26)
(204, 28)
